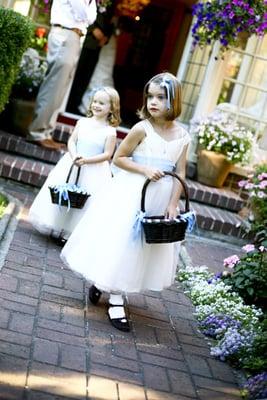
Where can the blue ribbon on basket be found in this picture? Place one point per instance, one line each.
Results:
(64, 194)
(138, 223)
(190, 218)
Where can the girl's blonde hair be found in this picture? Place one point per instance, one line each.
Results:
(173, 92)
(114, 118)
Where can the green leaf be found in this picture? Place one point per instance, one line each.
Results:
(250, 291)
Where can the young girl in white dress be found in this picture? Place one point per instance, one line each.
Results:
(107, 247)
(90, 146)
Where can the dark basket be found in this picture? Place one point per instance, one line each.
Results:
(76, 199)
(159, 230)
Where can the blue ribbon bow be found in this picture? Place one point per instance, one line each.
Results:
(138, 224)
(170, 92)
(190, 218)
(63, 191)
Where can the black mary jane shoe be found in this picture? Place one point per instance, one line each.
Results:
(59, 241)
(122, 324)
(94, 295)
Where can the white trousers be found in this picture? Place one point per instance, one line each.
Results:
(62, 57)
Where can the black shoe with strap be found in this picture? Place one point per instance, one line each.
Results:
(122, 323)
(94, 295)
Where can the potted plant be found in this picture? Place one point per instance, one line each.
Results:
(222, 142)
(24, 91)
(224, 20)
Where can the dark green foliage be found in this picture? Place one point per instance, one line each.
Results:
(249, 276)
(256, 360)
(15, 36)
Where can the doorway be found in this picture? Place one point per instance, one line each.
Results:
(147, 46)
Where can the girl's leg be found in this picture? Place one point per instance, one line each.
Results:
(116, 313)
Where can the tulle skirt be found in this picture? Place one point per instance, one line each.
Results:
(55, 220)
(107, 250)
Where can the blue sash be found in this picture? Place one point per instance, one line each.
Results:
(160, 163)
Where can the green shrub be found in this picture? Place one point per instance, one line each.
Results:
(3, 204)
(15, 36)
(248, 274)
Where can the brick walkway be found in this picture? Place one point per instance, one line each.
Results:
(55, 346)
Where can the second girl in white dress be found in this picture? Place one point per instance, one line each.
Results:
(91, 147)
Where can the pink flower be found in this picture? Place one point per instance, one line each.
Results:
(231, 261)
(242, 183)
(248, 248)
(262, 249)
(249, 186)
(263, 184)
(263, 175)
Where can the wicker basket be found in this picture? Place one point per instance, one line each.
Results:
(159, 230)
(76, 199)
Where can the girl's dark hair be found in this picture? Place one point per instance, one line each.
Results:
(114, 115)
(165, 79)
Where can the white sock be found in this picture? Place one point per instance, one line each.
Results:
(116, 312)
(116, 299)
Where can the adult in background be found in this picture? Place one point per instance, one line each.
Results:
(69, 20)
(97, 36)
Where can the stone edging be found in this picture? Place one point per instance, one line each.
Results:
(8, 224)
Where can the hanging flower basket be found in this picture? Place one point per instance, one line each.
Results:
(223, 20)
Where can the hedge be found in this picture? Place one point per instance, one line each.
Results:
(15, 34)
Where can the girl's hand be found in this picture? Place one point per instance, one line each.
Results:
(79, 161)
(153, 174)
(171, 212)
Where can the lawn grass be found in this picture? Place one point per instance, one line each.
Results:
(3, 204)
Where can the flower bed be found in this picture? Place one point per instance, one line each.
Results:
(236, 329)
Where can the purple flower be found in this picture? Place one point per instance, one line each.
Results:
(216, 325)
(257, 386)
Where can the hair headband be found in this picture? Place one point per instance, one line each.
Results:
(168, 85)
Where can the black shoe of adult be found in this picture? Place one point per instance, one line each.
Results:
(94, 295)
(122, 324)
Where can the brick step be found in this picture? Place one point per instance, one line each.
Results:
(217, 220)
(222, 198)
(18, 147)
(24, 170)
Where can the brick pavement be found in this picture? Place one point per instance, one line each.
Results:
(56, 346)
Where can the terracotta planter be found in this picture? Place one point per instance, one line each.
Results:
(22, 112)
(242, 38)
(212, 168)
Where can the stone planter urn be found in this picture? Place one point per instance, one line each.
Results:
(22, 112)
(212, 168)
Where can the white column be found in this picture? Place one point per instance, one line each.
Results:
(212, 83)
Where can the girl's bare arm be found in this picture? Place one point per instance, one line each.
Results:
(171, 211)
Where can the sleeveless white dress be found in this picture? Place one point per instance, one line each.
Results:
(49, 218)
(106, 248)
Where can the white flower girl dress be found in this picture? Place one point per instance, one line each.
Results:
(49, 218)
(105, 246)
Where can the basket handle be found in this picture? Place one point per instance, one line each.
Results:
(77, 176)
(184, 185)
